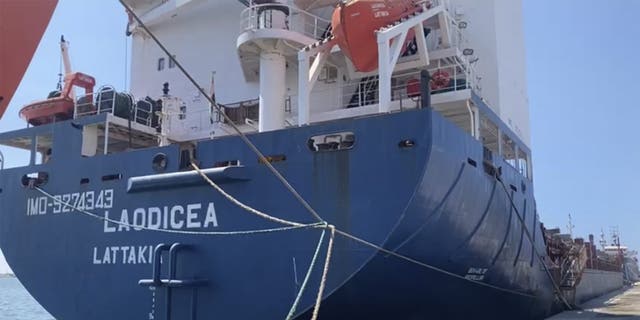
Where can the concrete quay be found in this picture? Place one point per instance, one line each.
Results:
(621, 304)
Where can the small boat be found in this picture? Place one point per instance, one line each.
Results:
(354, 25)
(59, 106)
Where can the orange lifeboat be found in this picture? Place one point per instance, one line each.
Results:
(354, 25)
(58, 108)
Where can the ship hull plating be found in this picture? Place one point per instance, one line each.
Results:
(430, 200)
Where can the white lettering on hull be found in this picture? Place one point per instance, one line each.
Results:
(176, 217)
(123, 255)
(87, 200)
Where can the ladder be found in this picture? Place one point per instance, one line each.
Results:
(172, 283)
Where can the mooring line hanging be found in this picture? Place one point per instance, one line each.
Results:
(367, 243)
(322, 225)
(533, 245)
(292, 311)
(291, 226)
(426, 265)
(242, 205)
(242, 136)
(325, 272)
(393, 253)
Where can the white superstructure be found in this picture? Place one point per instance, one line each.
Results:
(253, 50)
(496, 33)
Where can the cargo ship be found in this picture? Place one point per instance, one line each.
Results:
(289, 160)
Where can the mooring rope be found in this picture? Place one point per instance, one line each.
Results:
(242, 205)
(292, 311)
(228, 120)
(374, 246)
(325, 271)
(533, 245)
(366, 243)
(426, 265)
(290, 225)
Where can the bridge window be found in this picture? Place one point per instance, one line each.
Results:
(489, 134)
(523, 163)
(44, 150)
(508, 150)
(160, 64)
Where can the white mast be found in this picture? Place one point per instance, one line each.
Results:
(64, 49)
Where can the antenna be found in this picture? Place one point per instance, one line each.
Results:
(59, 85)
(603, 241)
(570, 226)
(615, 236)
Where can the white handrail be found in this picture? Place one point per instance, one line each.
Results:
(104, 101)
(260, 17)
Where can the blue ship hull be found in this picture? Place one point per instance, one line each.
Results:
(433, 202)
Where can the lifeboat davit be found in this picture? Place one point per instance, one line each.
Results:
(59, 105)
(355, 23)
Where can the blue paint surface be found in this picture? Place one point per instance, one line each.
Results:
(428, 202)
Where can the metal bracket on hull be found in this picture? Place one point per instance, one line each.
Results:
(171, 282)
(186, 179)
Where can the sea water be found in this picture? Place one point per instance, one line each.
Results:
(17, 304)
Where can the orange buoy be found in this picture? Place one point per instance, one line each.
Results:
(355, 23)
(440, 80)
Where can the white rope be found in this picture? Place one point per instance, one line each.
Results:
(403, 257)
(362, 241)
(241, 134)
(533, 246)
(211, 233)
(325, 271)
(242, 205)
(292, 311)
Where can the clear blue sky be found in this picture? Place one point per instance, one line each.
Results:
(583, 88)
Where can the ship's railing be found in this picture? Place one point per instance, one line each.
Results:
(238, 112)
(405, 87)
(266, 16)
(120, 104)
(463, 55)
(450, 83)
